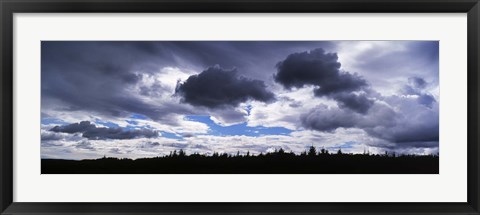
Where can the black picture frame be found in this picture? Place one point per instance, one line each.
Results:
(9, 7)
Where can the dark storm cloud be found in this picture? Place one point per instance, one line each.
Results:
(74, 127)
(93, 132)
(51, 136)
(428, 51)
(412, 122)
(418, 82)
(321, 69)
(118, 133)
(95, 76)
(255, 59)
(426, 99)
(317, 68)
(358, 103)
(407, 127)
(414, 133)
(48, 136)
(324, 119)
(216, 87)
(307, 68)
(415, 87)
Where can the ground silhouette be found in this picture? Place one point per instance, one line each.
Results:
(278, 162)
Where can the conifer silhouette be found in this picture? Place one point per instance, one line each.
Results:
(278, 161)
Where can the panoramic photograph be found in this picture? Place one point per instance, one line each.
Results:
(239, 107)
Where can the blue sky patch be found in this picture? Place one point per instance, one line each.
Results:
(238, 129)
(107, 124)
(138, 116)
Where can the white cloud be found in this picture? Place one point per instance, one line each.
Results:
(286, 111)
(231, 116)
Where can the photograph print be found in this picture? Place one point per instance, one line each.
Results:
(240, 107)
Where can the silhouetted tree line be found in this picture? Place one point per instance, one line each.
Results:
(310, 161)
(311, 152)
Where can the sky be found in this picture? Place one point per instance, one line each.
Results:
(134, 99)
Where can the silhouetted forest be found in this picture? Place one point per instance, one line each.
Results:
(278, 162)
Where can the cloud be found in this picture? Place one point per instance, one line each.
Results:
(317, 68)
(108, 79)
(359, 103)
(50, 136)
(322, 70)
(118, 133)
(176, 145)
(323, 118)
(148, 144)
(116, 151)
(408, 125)
(412, 122)
(229, 116)
(385, 64)
(57, 140)
(426, 99)
(74, 128)
(50, 144)
(216, 88)
(286, 110)
(254, 59)
(93, 132)
(417, 82)
(82, 80)
(85, 145)
(416, 87)
(397, 109)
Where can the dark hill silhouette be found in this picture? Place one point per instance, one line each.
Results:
(278, 162)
